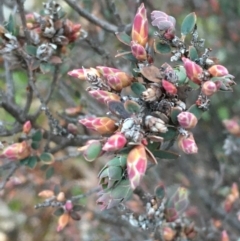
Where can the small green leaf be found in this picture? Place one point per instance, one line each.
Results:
(49, 172)
(37, 136)
(120, 160)
(188, 24)
(161, 48)
(58, 212)
(124, 38)
(35, 145)
(193, 54)
(46, 68)
(181, 74)
(24, 161)
(115, 173)
(174, 113)
(137, 89)
(44, 167)
(162, 154)
(77, 208)
(92, 151)
(153, 146)
(160, 192)
(32, 162)
(170, 134)
(196, 111)
(46, 157)
(10, 24)
(122, 191)
(32, 50)
(131, 106)
(192, 85)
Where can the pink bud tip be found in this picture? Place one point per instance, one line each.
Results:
(209, 88)
(68, 205)
(187, 120)
(218, 70)
(187, 144)
(193, 70)
(115, 142)
(27, 127)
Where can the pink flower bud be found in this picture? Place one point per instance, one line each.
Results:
(209, 88)
(169, 87)
(104, 96)
(234, 190)
(27, 127)
(168, 233)
(138, 51)
(187, 120)
(224, 236)
(193, 70)
(218, 70)
(68, 205)
(82, 74)
(115, 142)
(232, 126)
(119, 80)
(72, 128)
(63, 220)
(163, 21)
(106, 71)
(140, 26)
(103, 125)
(16, 151)
(136, 165)
(187, 144)
(46, 194)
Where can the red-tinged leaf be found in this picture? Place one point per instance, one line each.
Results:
(169, 87)
(136, 165)
(55, 60)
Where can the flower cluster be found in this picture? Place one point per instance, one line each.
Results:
(65, 211)
(46, 33)
(155, 109)
(164, 215)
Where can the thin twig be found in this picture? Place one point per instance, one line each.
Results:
(89, 193)
(23, 19)
(93, 19)
(13, 169)
(10, 90)
(116, 16)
